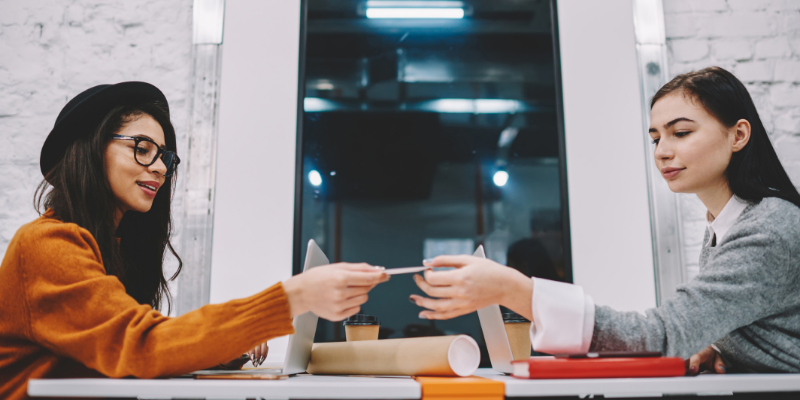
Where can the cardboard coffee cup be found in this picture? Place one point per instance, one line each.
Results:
(518, 331)
(361, 327)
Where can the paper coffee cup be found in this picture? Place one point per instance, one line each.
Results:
(518, 331)
(361, 327)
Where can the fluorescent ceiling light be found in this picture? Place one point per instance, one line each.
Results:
(322, 85)
(455, 106)
(415, 9)
(476, 106)
(415, 13)
(414, 4)
(315, 104)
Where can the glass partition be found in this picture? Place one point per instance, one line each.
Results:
(430, 127)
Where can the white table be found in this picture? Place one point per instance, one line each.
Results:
(297, 387)
(707, 384)
(347, 387)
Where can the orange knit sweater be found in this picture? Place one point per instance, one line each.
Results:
(62, 316)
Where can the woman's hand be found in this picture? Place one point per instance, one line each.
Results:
(258, 354)
(333, 292)
(476, 283)
(706, 360)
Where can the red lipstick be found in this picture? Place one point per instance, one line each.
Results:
(149, 187)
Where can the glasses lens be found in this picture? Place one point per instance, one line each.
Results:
(171, 161)
(146, 152)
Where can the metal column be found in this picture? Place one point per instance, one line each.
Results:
(651, 50)
(194, 283)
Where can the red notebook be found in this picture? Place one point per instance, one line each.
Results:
(577, 368)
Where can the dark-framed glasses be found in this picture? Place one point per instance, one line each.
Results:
(146, 152)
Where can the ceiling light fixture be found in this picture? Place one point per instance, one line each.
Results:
(474, 106)
(500, 178)
(414, 9)
(315, 178)
(316, 104)
(448, 106)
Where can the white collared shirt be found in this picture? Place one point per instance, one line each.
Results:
(563, 315)
(718, 227)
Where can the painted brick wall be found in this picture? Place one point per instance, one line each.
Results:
(51, 50)
(757, 40)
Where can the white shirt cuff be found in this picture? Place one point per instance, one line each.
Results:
(563, 318)
(588, 323)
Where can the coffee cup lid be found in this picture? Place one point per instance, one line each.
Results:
(361, 319)
(511, 317)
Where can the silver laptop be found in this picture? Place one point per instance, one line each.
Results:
(298, 353)
(494, 332)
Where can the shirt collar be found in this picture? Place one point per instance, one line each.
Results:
(725, 220)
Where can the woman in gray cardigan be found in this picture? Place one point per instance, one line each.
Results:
(742, 312)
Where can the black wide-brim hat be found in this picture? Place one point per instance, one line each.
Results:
(85, 111)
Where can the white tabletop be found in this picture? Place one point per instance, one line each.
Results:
(348, 387)
(706, 384)
(296, 387)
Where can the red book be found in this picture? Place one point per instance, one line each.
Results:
(580, 368)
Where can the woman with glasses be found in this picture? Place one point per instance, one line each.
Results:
(81, 286)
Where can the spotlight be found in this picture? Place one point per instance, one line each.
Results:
(500, 178)
(315, 178)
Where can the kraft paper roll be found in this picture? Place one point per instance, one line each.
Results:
(438, 356)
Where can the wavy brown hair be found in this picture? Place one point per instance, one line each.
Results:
(77, 190)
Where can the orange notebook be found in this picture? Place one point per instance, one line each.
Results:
(469, 388)
(586, 368)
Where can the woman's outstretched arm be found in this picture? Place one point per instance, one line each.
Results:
(752, 276)
(76, 310)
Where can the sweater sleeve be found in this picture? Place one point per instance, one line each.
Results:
(750, 276)
(78, 311)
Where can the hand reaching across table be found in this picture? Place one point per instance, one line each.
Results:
(333, 292)
(475, 283)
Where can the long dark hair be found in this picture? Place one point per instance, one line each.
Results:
(755, 172)
(79, 192)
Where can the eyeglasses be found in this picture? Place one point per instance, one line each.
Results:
(146, 152)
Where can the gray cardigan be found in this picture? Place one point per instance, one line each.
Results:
(745, 300)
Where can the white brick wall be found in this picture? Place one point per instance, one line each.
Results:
(759, 41)
(51, 50)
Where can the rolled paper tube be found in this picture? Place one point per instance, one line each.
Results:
(432, 356)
